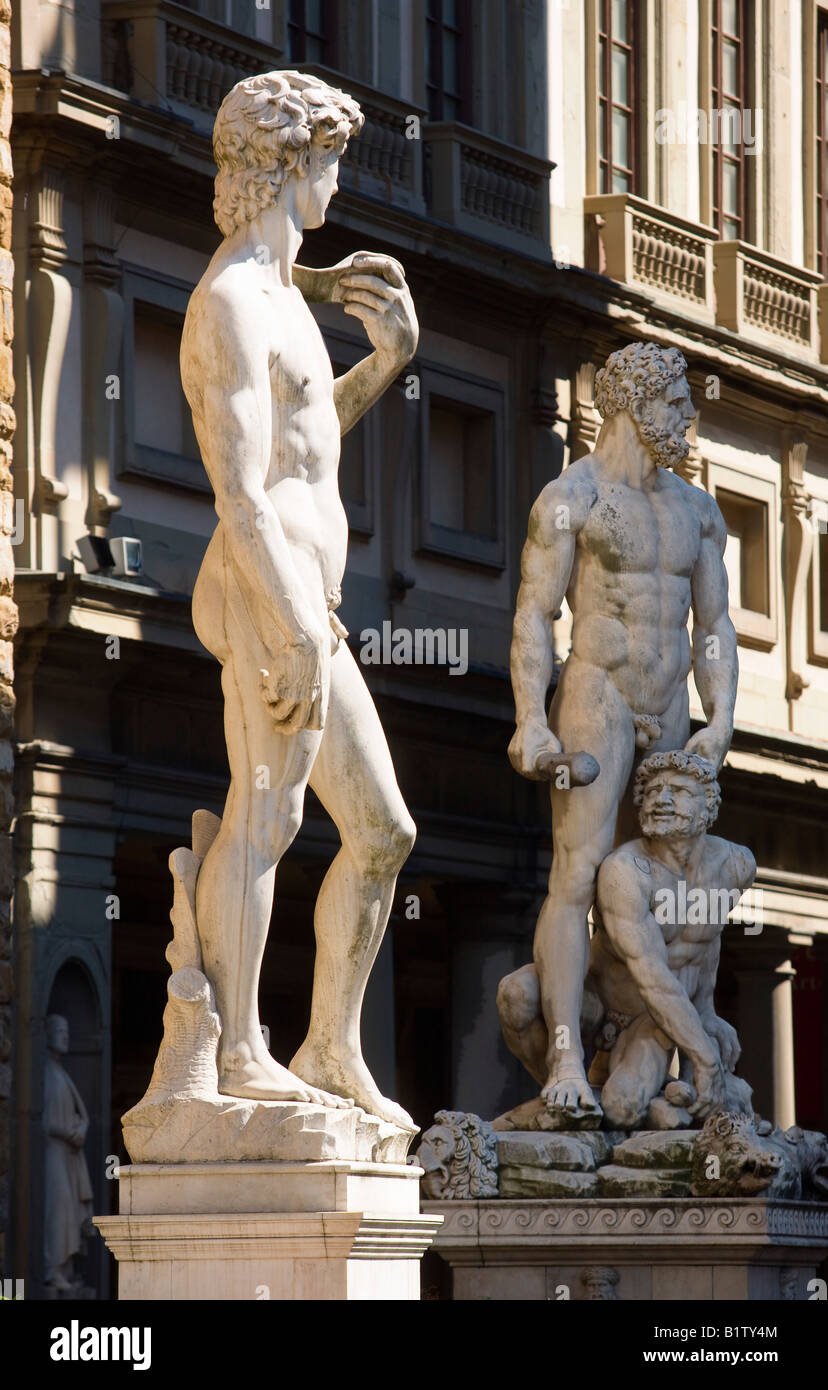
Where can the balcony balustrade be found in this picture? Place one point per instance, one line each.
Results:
(639, 244)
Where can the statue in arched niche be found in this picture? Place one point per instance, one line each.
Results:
(67, 1186)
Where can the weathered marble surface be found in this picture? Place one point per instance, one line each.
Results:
(185, 1118)
(269, 416)
(465, 1157)
(633, 548)
(758, 1158)
(633, 1249)
(652, 966)
(288, 1231)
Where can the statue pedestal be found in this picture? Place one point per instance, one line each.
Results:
(321, 1230)
(633, 1249)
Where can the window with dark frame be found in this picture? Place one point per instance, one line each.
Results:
(462, 467)
(822, 146)
(237, 15)
(447, 42)
(353, 481)
(728, 39)
(168, 427)
(311, 31)
(159, 443)
(822, 561)
(746, 550)
(617, 143)
(360, 445)
(462, 460)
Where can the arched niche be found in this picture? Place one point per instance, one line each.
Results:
(74, 995)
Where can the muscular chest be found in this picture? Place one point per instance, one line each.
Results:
(693, 910)
(300, 372)
(631, 531)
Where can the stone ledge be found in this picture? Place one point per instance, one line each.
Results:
(255, 1236)
(550, 1225)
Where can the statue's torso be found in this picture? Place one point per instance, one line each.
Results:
(630, 588)
(302, 476)
(688, 942)
(300, 473)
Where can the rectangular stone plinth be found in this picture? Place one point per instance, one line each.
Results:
(632, 1249)
(328, 1230)
(333, 1185)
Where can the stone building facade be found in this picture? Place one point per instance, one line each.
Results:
(544, 174)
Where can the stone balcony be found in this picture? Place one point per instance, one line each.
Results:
(768, 300)
(170, 57)
(763, 299)
(487, 188)
(167, 56)
(386, 160)
(639, 244)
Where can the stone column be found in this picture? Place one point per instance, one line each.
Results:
(784, 1102)
(8, 612)
(765, 1029)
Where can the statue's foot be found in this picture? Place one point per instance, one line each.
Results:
(569, 1094)
(350, 1077)
(257, 1080)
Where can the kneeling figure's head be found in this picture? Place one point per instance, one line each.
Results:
(675, 794)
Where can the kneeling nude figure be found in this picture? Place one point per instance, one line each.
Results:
(662, 901)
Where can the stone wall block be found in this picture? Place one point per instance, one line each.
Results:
(6, 372)
(6, 866)
(8, 619)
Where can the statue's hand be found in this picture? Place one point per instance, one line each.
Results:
(322, 285)
(710, 1088)
(293, 691)
(726, 1037)
(374, 290)
(709, 744)
(532, 751)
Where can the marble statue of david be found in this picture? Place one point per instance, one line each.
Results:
(269, 417)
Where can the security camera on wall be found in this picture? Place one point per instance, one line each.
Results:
(128, 556)
(121, 556)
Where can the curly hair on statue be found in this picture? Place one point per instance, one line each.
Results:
(635, 374)
(262, 128)
(473, 1165)
(679, 761)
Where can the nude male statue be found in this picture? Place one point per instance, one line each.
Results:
(661, 904)
(633, 548)
(268, 416)
(66, 1182)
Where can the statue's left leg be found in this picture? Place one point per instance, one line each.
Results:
(353, 776)
(521, 1019)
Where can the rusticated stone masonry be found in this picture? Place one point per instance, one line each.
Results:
(8, 608)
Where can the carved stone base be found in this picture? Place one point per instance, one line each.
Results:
(197, 1130)
(632, 1250)
(232, 1231)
